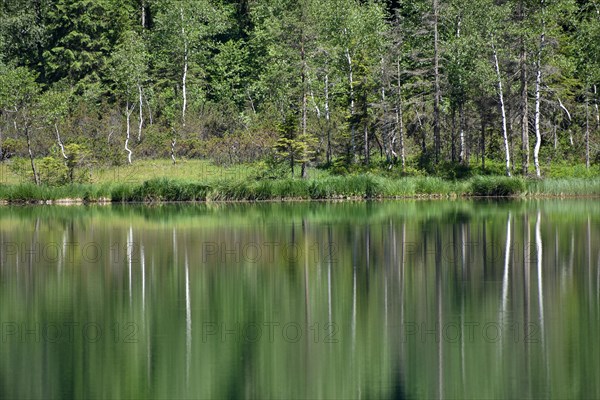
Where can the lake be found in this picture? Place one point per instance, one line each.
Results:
(398, 299)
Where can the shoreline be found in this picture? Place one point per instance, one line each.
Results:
(107, 202)
(365, 187)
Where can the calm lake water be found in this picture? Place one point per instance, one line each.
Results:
(406, 299)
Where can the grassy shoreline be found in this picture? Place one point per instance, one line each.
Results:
(350, 187)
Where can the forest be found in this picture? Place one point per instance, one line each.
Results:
(436, 87)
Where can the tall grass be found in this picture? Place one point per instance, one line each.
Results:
(565, 187)
(359, 186)
(496, 186)
(28, 192)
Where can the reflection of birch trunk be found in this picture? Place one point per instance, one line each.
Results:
(572, 254)
(306, 284)
(143, 267)
(538, 246)
(539, 251)
(329, 262)
(130, 258)
(188, 321)
(526, 292)
(354, 266)
(598, 279)
(589, 259)
(502, 314)
(61, 254)
(438, 291)
(506, 268)
(401, 275)
(174, 248)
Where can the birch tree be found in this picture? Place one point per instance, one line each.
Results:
(128, 69)
(183, 30)
(19, 97)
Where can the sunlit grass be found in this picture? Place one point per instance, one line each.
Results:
(200, 180)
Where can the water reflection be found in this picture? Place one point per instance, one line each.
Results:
(387, 300)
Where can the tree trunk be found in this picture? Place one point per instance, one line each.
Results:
(538, 83)
(303, 80)
(524, 102)
(173, 142)
(560, 103)
(596, 106)
(555, 130)
(385, 136)
(482, 142)
(149, 110)
(462, 156)
(36, 177)
(327, 119)
(351, 83)
(185, 69)
(463, 146)
(502, 109)
(437, 91)
(587, 131)
(59, 141)
(367, 150)
(128, 112)
(453, 136)
(141, 120)
(143, 13)
(399, 115)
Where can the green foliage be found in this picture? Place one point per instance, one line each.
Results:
(52, 171)
(293, 147)
(497, 186)
(78, 157)
(353, 70)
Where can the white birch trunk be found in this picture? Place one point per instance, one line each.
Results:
(128, 112)
(173, 142)
(502, 109)
(596, 106)
(327, 118)
(538, 83)
(587, 131)
(399, 115)
(141, 119)
(351, 83)
(185, 69)
(60, 143)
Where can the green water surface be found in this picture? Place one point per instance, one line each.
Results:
(399, 299)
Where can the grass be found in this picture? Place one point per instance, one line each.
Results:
(497, 186)
(151, 181)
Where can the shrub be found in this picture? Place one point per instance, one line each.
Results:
(497, 186)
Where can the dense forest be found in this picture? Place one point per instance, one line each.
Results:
(406, 85)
